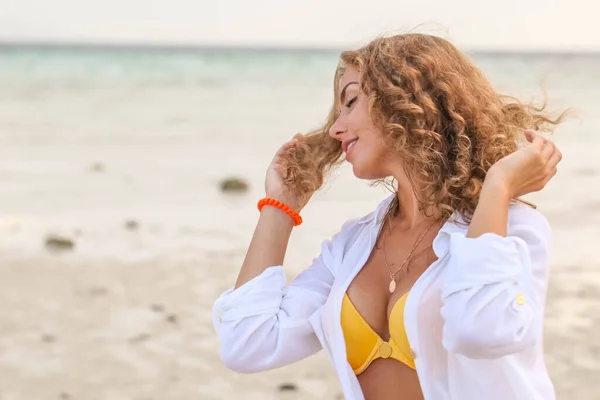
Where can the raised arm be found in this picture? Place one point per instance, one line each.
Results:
(263, 323)
(495, 291)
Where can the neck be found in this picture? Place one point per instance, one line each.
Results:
(410, 215)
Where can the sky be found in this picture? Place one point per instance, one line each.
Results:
(527, 25)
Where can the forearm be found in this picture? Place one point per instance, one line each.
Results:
(269, 244)
(491, 213)
(264, 321)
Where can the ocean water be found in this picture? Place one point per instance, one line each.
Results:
(93, 137)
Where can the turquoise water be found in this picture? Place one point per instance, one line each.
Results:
(214, 67)
(139, 67)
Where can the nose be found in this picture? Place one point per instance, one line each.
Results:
(337, 129)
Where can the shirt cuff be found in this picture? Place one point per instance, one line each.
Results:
(262, 294)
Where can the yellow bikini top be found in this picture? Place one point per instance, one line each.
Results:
(364, 345)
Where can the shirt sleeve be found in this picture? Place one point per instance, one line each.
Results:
(495, 288)
(264, 324)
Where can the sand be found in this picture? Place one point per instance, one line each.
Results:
(140, 330)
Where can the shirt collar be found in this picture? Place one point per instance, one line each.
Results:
(441, 243)
(376, 217)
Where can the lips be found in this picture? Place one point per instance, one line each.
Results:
(348, 144)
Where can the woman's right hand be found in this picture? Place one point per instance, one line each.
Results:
(275, 186)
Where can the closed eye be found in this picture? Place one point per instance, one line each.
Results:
(349, 104)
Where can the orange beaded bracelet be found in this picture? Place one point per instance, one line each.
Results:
(267, 201)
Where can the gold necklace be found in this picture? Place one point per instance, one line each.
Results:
(392, 286)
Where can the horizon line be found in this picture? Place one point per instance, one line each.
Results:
(181, 46)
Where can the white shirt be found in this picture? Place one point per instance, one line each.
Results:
(474, 318)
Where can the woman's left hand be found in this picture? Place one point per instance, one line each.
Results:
(528, 169)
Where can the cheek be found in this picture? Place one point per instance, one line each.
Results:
(378, 149)
(361, 116)
(358, 117)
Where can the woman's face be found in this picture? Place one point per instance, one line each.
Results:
(362, 142)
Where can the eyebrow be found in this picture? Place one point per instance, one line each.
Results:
(343, 92)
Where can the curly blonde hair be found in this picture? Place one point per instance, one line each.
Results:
(438, 112)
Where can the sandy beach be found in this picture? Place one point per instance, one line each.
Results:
(75, 328)
(127, 175)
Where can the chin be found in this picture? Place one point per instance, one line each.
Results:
(364, 173)
(368, 165)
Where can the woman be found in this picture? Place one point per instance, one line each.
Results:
(437, 294)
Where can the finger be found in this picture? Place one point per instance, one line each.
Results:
(548, 149)
(288, 145)
(534, 137)
(529, 135)
(295, 140)
(282, 149)
(538, 140)
(291, 143)
(554, 159)
(550, 175)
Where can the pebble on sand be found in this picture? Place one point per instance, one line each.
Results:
(132, 225)
(59, 243)
(234, 185)
(157, 308)
(47, 338)
(97, 167)
(288, 387)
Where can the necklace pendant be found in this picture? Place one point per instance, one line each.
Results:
(392, 285)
